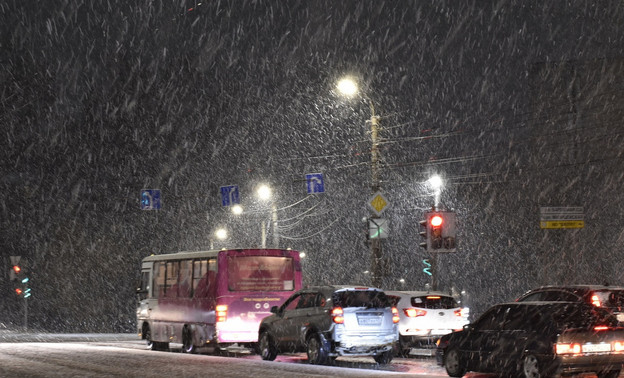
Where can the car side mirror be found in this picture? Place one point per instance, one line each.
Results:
(275, 309)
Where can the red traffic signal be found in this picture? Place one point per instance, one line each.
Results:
(17, 269)
(436, 221)
(18, 291)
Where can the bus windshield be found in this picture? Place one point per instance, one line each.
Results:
(260, 273)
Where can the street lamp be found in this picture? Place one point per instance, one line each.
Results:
(348, 87)
(436, 183)
(237, 209)
(265, 193)
(220, 234)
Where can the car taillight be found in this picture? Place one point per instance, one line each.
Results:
(337, 315)
(596, 300)
(395, 315)
(568, 348)
(601, 328)
(414, 312)
(458, 312)
(221, 313)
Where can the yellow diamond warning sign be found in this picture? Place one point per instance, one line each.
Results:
(378, 203)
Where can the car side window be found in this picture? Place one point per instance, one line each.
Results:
(533, 297)
(491, 320)
(515, 319)
(307, 300)
(559, 296)
(292, 303)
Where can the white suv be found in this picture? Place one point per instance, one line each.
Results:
(425, 316)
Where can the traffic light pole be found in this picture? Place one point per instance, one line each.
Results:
(375, 243)
(25, 314)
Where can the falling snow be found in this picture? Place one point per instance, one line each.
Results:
(516, 104)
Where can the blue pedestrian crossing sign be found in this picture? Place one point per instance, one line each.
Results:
(229, 195)
(315, 183)
(150, 199)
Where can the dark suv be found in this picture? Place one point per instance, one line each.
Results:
(610, 298)
(331, 321)
(536, 339)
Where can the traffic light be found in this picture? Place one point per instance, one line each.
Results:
(439, 231)
(15, 272)
(18, 275)
(424, 233)
(435, 223)
(378, 228)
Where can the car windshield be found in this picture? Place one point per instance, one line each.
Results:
(361, 298)
(438, 302)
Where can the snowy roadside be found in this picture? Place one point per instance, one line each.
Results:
(7, 336)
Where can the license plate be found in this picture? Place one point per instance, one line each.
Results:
(369, 320)
(595, 348)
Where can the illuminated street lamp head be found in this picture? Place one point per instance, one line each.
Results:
(347, 86)
(435, 182)
(264, 192)
(221, 233)
(237, 209)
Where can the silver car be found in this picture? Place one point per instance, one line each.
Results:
(425, 316)
(331, 321)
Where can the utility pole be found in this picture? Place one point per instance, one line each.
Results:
(375, 243)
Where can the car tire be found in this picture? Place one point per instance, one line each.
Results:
(531, 367)
(266, 347)
(454, 363)
(401, 349)
(317, 354)
(384, 358)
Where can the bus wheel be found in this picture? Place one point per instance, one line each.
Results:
(266, 348)
(187, 341)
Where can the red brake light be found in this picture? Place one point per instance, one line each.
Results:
(414, 312)
(564, 348)
(458, 312)
(337, 315)
(596, 300)
(395, 315)
(221, 313)
(601, 328)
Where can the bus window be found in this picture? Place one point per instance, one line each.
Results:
(260, 273)
(171, 279)
(199, 271)
(159, 279)
(204, 278)
(184, 279)
(143, 287)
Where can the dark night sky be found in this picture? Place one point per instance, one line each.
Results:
(102, 99)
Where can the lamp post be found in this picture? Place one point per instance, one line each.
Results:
(348, 87)
(220, 234)
(436, 183)
(265, 193)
